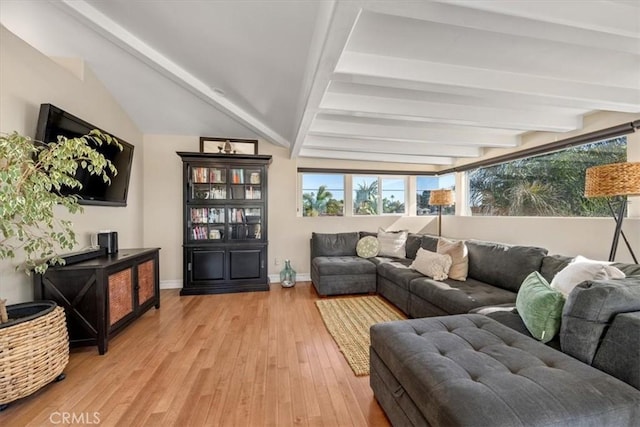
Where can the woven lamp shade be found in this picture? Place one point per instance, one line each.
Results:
(441, 198)
(616, 179)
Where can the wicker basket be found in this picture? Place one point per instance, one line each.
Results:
(33, 351)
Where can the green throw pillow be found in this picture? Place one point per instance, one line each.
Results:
(368, 247)
(540, 307)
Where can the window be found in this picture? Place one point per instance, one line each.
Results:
(322, 194)
(365, 195)
(546, 185)
(424, 185)
(393, 199)
(373, 195)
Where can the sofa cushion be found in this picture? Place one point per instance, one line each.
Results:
(398, 272)
(540, 307)
(503, 265)
(337, 265)
(432, 264)
(367, 247)
(457, 250)
(552, 264)
(414, 242)
(430, 243)
(455, 297)
(628, 269)
(392, 243)
(334, 244)
(469, 370)
(590, 309)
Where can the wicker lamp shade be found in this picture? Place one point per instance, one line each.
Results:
(441, 198)
(616, 179)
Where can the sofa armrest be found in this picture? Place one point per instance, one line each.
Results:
(619, 353)
(589, 311)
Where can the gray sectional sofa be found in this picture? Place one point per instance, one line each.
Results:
(450, 366)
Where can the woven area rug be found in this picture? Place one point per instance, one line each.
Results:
(348, 321)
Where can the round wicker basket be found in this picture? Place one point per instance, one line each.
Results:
(33, 351)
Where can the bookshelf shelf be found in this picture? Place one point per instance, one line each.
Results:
(225, 223)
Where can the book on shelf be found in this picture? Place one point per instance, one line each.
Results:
(199, 175)
(199, 233)
(237, 176)
(216, 175)
(252, 193)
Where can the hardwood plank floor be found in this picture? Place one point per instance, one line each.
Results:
(249, 359)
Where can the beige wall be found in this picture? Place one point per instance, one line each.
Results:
(28, 79)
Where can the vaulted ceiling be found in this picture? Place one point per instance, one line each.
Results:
(424, 82)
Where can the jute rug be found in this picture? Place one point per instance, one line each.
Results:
(348, 321)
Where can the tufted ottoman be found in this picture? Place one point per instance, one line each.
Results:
(469, 370)
(336, 275)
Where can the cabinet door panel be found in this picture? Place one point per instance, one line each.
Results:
(120, 295)
(245, 264)
(146, 281)
(207, 265)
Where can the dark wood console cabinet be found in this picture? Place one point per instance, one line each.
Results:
(102, 294)
(225, 223)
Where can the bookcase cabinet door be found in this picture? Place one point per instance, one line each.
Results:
(245, 264)
(207, 265)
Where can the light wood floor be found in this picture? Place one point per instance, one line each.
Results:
(249, 359)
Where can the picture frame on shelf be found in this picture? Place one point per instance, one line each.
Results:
(228, 145)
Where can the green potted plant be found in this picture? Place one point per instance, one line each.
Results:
(35, 177)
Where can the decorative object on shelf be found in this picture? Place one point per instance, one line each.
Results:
(228, 146)
(287, 275)
(441, 198)
(614, 180)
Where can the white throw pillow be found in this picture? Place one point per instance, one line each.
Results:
(577, 272)
(432, 264)
(392, 243)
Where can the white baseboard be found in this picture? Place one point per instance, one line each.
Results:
(171, 284)
(302, 277)
(274, 278)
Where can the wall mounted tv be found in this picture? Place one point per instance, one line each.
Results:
(54, 121)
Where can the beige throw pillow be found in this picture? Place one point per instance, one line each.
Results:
(392, 243)
(457, 250)
(432, 264)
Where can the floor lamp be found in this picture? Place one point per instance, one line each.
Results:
(441, 198)
(617, 179)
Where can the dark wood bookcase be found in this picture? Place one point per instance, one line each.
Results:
(224, 223)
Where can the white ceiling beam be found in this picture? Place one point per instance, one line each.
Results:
(603, 16)
(376, 157)
(490, 20)
(390, 147)
(124, 39)
(599, 96)
(344, 17)
(498, 96)
(429, 134)
(470, 115)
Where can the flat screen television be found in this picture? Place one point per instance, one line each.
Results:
(54, 121)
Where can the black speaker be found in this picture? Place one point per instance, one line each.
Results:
(109, 241)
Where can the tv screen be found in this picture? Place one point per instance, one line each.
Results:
(54, 121)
